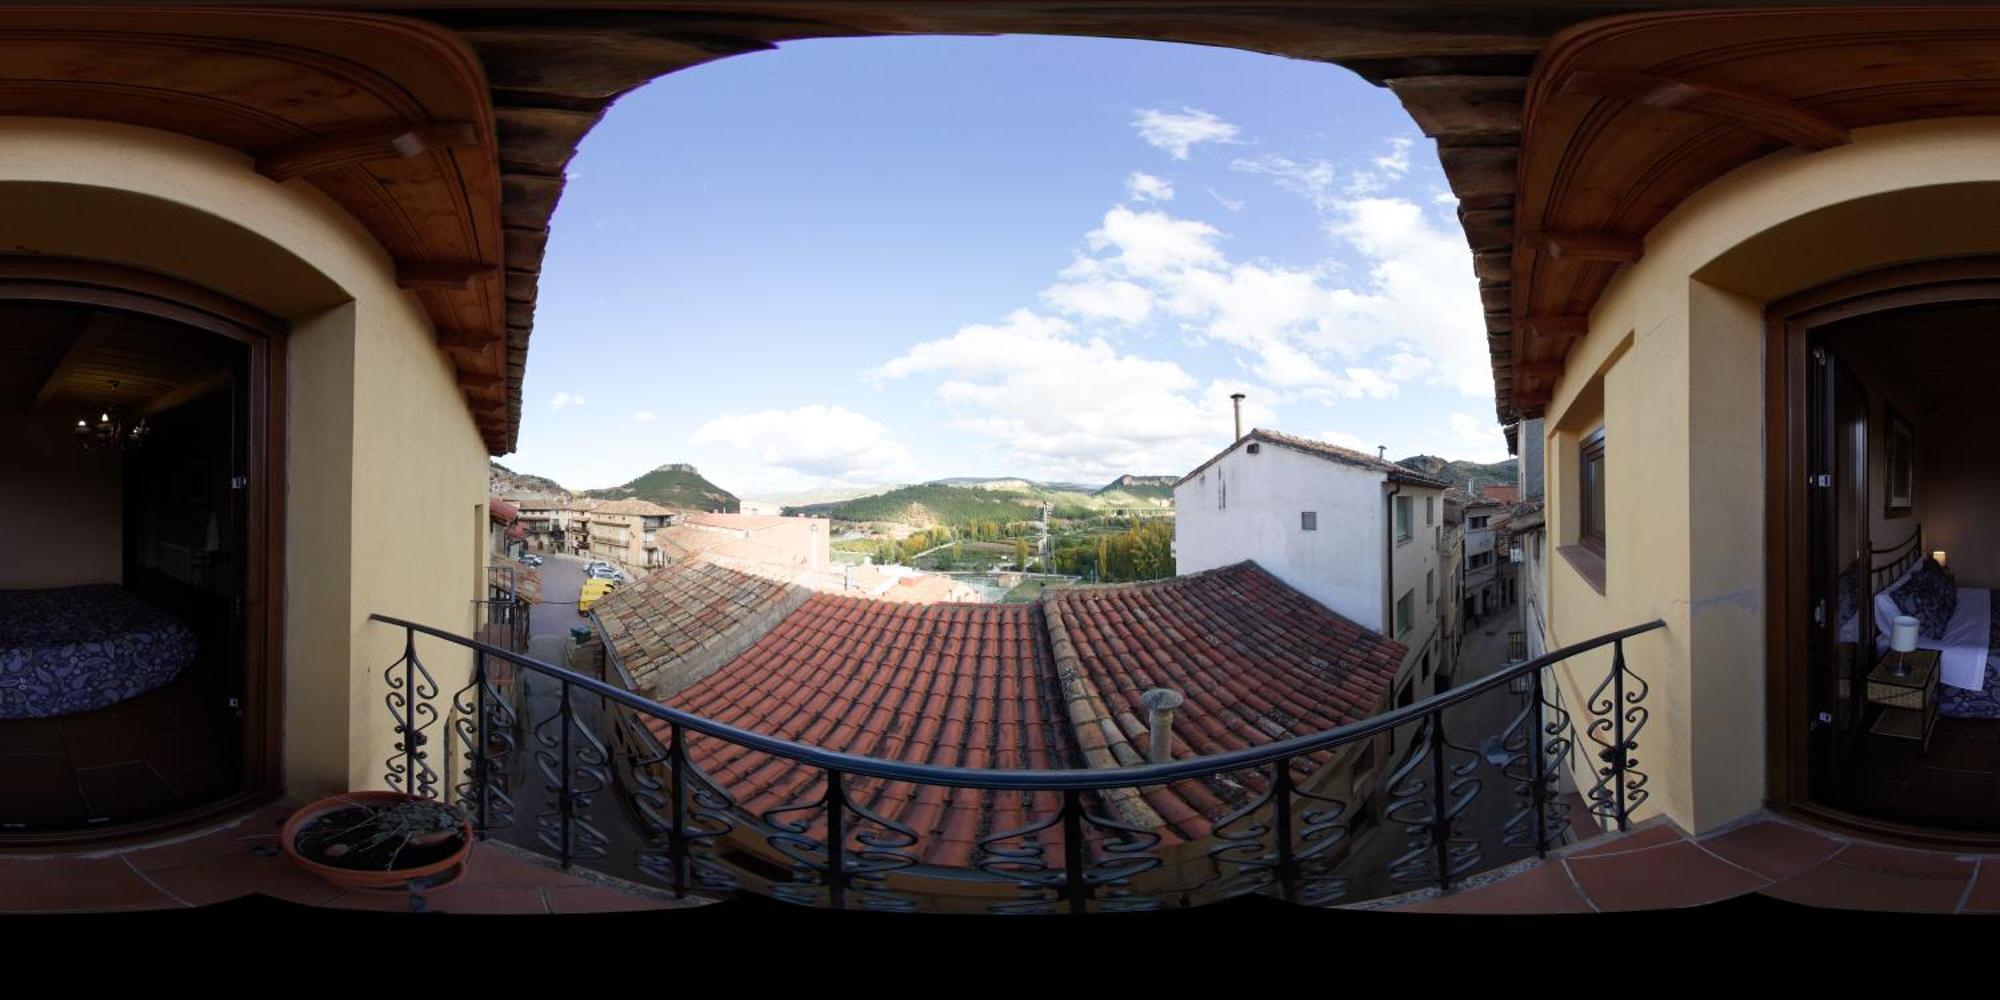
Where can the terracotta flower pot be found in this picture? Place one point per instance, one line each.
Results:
(396, 879)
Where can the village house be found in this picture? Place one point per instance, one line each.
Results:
(624, 532)
(1358, 534)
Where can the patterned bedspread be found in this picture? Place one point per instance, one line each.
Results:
(72, 649)
(1958, 703)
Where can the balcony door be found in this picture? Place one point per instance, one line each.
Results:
(1840, 641)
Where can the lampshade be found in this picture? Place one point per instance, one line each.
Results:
(1938, 556)
(1903, 636)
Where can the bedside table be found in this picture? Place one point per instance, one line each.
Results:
(1909, 703)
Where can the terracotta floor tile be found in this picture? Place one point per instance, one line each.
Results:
(1665, 877)
(601, 899)
(1900, 861)
(242, 873)
(1837, 886)
(1774, 850)
(1545, 888)
(1985, 894)
(379, 902)
(468, 899)
(55, 884)
(204, 848)
(493, 868)
(1654, 836)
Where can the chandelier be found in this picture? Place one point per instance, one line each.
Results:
(110, 431)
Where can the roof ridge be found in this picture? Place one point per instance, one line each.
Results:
(1091, 720)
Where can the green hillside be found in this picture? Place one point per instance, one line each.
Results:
(936, 504)
(674, 485)
(1138, 491)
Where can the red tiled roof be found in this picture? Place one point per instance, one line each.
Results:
(1504, 494)
(1050, 685)
(954, 685)
(502, 511)
(1255, 660)
(671, 627)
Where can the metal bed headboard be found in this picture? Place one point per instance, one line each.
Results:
(1889, 563)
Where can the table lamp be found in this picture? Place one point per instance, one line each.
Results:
(1938, 557)
(1903, 640)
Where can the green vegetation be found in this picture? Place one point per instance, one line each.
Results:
(935, 505)
(1143, 551)
(674, 485)
(1138, 491)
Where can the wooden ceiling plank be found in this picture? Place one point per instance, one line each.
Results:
(315, 156)
(1769, 115)
(457, 277)
(1588, 246)
(94, 330)
(186, 392)
(1559, 328)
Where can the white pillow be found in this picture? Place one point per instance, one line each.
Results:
(1886, 610)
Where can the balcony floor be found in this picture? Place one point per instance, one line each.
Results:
(241, 858)
(1657, 866)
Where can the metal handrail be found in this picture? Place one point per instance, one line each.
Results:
(1024, 779)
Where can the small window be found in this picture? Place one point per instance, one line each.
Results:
(1430, 510)
(1478, 522)
(1480, 559)
(1430, 586)
(1405, 612)
(1590, 508)
(1308, 520)
(1405, 516)
(1406, 695)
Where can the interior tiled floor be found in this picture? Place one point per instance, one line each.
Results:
(242, 858)
(1954, 785)
(158, 753)
(1659, 867)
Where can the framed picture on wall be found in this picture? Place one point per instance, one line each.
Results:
(1899, 453)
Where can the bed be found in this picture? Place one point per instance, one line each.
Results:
(1968, 656)
(73, 649)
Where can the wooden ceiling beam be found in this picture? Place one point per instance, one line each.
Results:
(456, 277)
(88, 337)
(187, 392)
(1587, 246)
(479, 381)
(317, 156)
(466, 340)
(1559, 328)
(1769, 115)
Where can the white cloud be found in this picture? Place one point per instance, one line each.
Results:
(1146, 187)
(1478, 440)
(564, 400)
(1075, 408)
(824, 442)
(1232, 204)
(644, 417)
(1178, 133)
(1121, 301)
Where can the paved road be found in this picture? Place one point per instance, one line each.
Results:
(562, 583)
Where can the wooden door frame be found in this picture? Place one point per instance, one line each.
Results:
(1788, 329)
(89, 283)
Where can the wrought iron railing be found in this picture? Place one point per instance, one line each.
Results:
(1291, 834)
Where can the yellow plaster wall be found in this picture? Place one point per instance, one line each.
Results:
(385, 466)
(1683, 408)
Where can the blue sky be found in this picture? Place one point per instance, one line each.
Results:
(890, 260)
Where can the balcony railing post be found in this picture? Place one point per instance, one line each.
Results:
(1618, 731)
(480, 768)
(408, 723)
(1539, 793)
(836, 840)
(566, 805)
(1281, 804)
(677, 850)
(1440, 816)
(1072, 824)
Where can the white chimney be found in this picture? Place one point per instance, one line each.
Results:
(1236, 398)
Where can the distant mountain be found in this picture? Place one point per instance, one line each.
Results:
(1459, 473)
(826, 495)
(1139, 491)
(677, 485)
(930, 505)
(504, 482)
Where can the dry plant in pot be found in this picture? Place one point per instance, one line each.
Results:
(378, 840)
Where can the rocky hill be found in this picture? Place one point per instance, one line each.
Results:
(503, 482)
(676, 485)
(1139, 491)
(1459, 473)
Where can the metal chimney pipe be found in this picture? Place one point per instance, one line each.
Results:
(1237, 399)
(1160, 704)
(1381, 453)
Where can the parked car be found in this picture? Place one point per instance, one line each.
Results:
(532, 559)
(602, 573)
(593, 590)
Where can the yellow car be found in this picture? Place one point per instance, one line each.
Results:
(592, 590)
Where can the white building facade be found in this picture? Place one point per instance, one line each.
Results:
(1360, 535)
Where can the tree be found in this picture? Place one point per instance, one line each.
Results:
(1021, 554)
